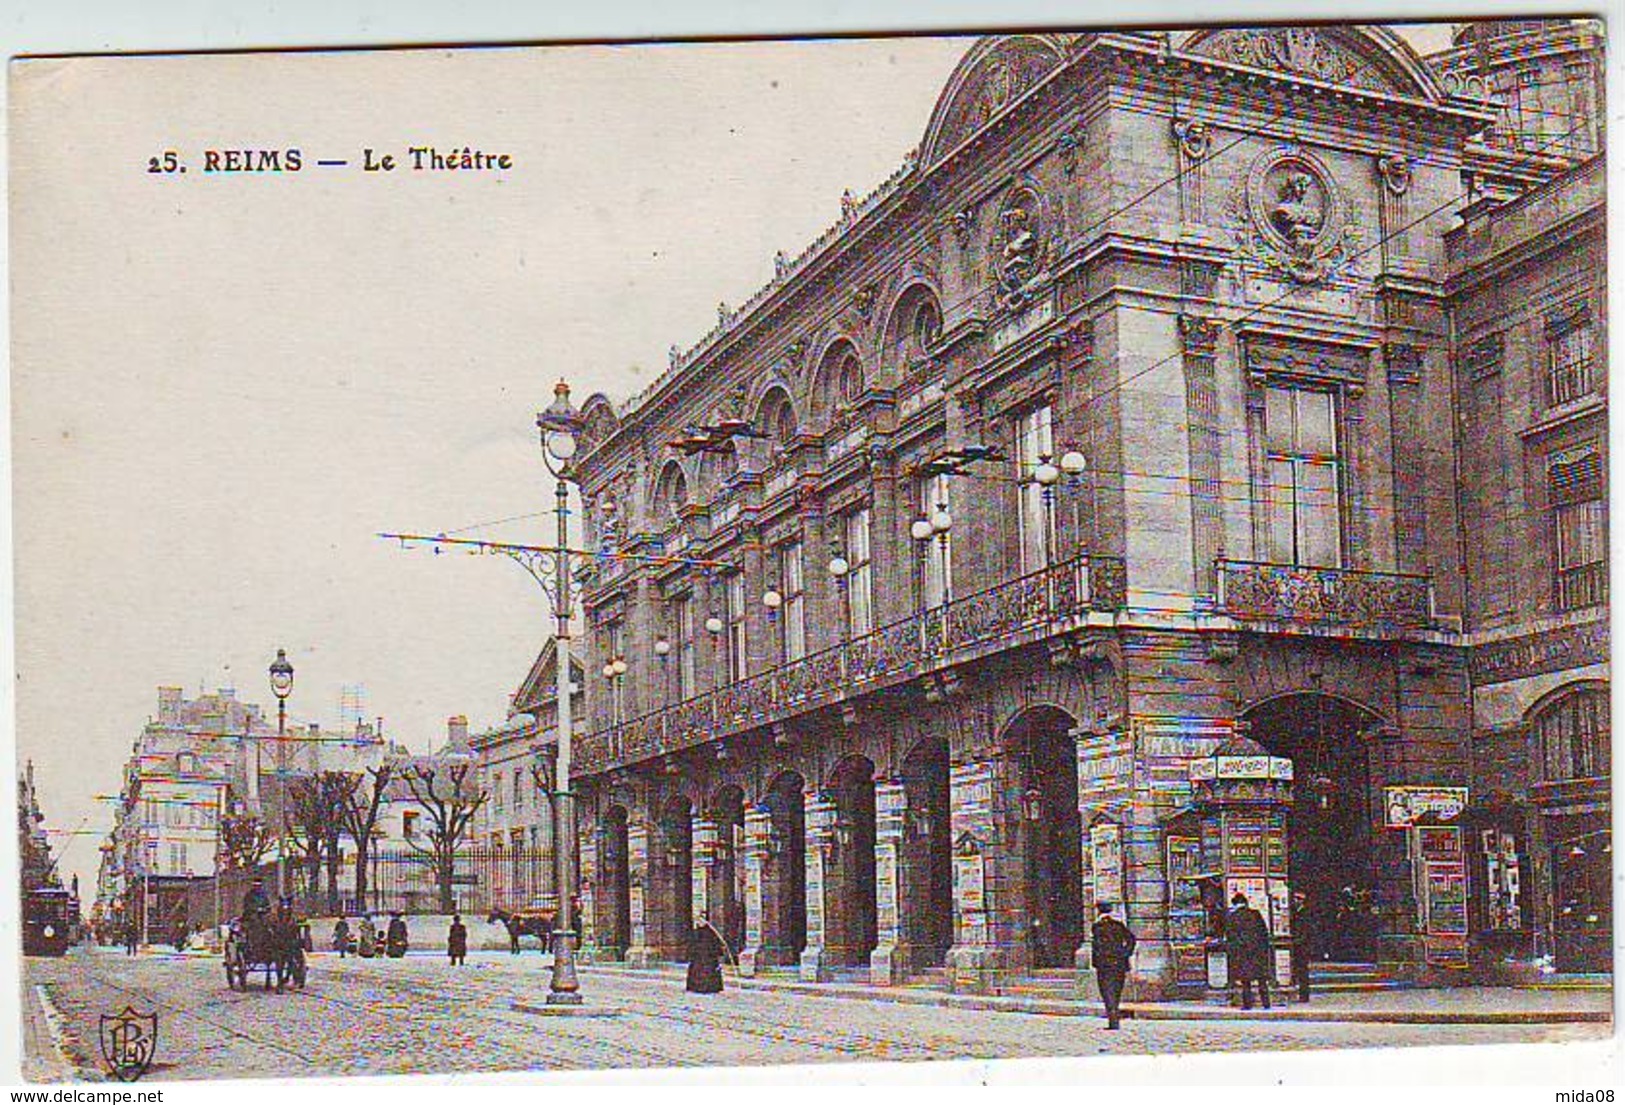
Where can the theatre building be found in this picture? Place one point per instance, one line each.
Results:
(1078, 521)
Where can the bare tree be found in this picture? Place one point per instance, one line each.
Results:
(450, 807)
(359, 811)
(244, 841)
(316, 826)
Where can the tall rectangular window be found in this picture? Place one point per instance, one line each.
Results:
(1035, 439)
(938, 575)
(1570, 367)
(860, 576)
(1300, 445)
(794, 613)
(613, 646)
(736, 626)
(1580, 525)
(683, 624)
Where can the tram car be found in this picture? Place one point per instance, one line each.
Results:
(47, 922)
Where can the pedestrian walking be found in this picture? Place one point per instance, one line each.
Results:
(705, 949)
(341, 937)
(1300, 944)
(457, 941)
(1247, 946)
(1110, 949)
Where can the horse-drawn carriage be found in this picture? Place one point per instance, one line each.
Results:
(271, 944)
(536, 920)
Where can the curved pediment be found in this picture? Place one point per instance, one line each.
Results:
(995, 73)
(1372, 59)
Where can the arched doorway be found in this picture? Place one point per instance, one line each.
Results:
(615, 884)
(674, 914)
(784, 872)
(1045, 758)
(725, 890)
(1330, 831)
(926, 875)
(852, 935)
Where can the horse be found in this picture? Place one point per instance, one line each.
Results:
(268, 944)
(530, 922)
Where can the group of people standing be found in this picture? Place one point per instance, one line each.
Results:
(365, 941)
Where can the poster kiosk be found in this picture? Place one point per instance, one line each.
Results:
(1232, 840)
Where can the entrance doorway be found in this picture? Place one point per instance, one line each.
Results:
(926, 878)
(852, 934)
(1046, 763)
(784, 878)
(675, 912)
(726, 887)
(1330, 831)
(614, 858)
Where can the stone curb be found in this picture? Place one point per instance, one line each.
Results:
(1138, 1010)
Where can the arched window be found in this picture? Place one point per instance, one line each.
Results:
(778, 418)
(1572, 735)
(851, 380)
(670, 494)
(927, 329)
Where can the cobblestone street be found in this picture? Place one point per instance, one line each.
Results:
(417, 1015)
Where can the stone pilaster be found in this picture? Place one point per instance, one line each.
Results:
(640, 954)
(820, 814)
(758, 831)
(700, 870)
(890, 962)
(986, 883)
(590, 878)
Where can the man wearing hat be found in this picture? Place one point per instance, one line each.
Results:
(1247, 947)
(1111, 947)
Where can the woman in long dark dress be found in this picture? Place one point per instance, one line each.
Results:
(704, 959)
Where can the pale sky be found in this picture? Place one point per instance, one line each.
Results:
(224, 385)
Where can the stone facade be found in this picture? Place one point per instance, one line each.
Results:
(1112, 427)
(1527, 300)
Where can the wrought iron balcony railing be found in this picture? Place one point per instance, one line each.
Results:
(1379, 602)
(1030, 607)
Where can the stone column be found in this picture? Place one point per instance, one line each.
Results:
(890, 962)
(639, 876)
(820, 830)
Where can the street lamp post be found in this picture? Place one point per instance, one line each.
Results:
(559, 425)
(282, 686)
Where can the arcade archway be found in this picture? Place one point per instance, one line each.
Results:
(1045, 760)
(614, 922)
(1330, 831)
(926, 876)
(850, 872)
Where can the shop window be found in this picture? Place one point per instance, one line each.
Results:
(1573, 737)
(1300, 445)
(1580, 528)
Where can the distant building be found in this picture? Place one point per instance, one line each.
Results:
(516, 763)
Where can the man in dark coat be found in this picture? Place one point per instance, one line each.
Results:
(1300, 945)
(457, 941)
(704, 959)
(1247, 946)
(1110, 948)
(395, 937)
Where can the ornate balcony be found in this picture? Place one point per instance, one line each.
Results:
(1385, 603)
(1024, 609)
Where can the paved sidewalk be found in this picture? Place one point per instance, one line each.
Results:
(1444, 1005)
